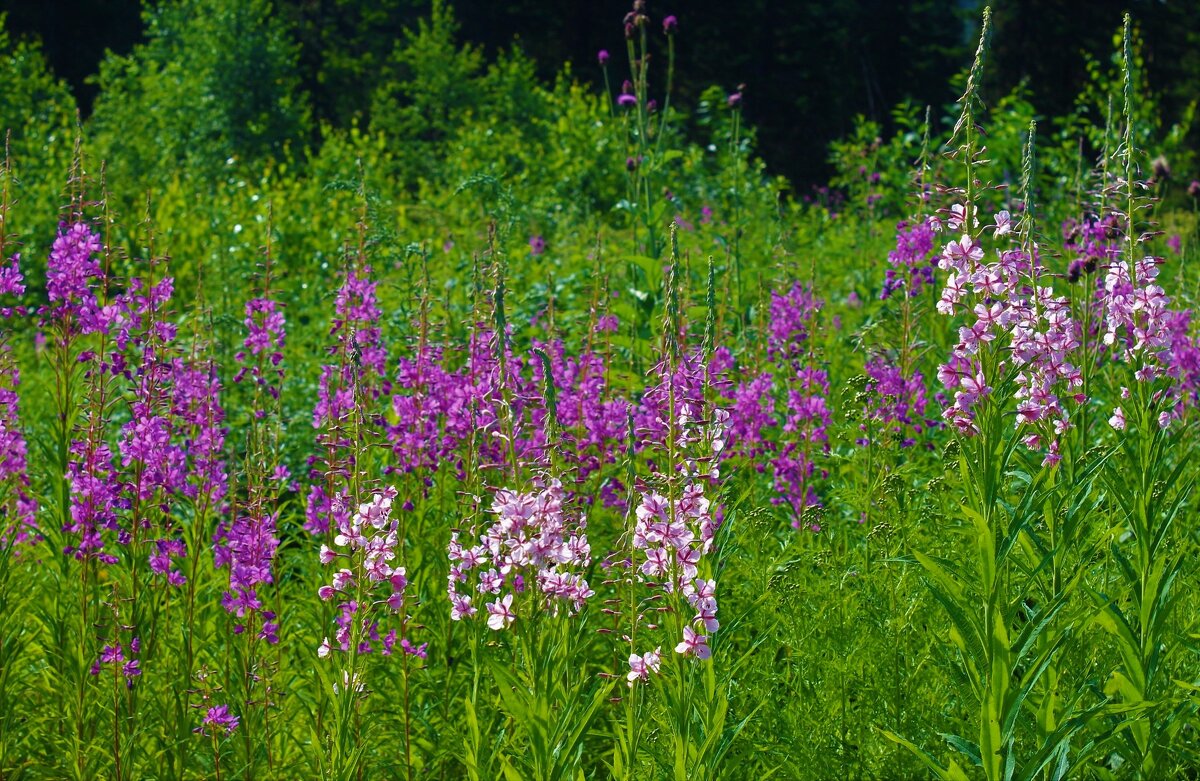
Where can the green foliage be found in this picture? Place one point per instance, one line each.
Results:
(432, 87)
(214, 82)
(37, 112)
(964, 610)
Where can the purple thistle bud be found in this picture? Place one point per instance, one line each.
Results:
(602, 57)
(669, 24)
(1161, 168)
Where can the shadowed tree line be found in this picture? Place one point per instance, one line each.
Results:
(809, 67)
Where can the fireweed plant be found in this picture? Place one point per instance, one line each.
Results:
(710, 485)
(246, 541)
(1148, 478)
(1013, 387)
(17, 506)
(669, 610)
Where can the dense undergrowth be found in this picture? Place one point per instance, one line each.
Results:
(535, 433)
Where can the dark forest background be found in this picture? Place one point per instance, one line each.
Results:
(809, 67)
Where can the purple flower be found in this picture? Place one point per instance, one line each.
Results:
(791, 318)
(753, 412)
(70, 272)
(669, 24)
(895, 404)
(693, 644)
(12, 283)
(913, 261)
(113, 655)
(602, 57)
(805, 427)
(217, 718)
(18, 508)
(607, 324)
(1005, 301)
(359, 374)
(537, 245)
(626, 100)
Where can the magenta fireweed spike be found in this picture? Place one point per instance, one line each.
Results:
(358, 377)
(17, 506)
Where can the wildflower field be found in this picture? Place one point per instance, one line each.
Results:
(547, 435)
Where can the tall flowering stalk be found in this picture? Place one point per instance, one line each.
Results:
(18, 509)
(343, 476)
(348, 387)
(150, 446)
(1012, 380)
(590, 423)
(527, 572)
(524, 574)
(666, 573)
(80, 319)
(247, 544)
(367, 590)
(645, 125)
(803, 388)
(17, 505)
(1148, 478)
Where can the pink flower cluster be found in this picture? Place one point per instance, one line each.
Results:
(70, 272)
(531, 547)
(367, 583)
(17, 506)
(791, 320)
(265, 336)
(1137, 321)
(358, 373)
(199, 419)
(248, 547)
(805, 428)
(1094, 242)
(751, 413)
(593, 424)
(97, 496)
(1038, 336)
(1185, 359)
(218, 719)
(671, 538)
